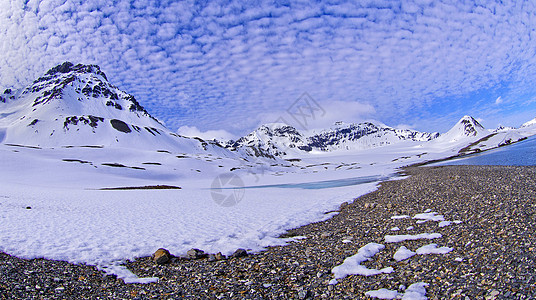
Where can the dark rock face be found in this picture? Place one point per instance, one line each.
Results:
(63, 68)
(67, 67)
(120, 126)
(87, 120)
(351, 133)
(470, 126)
(8, 93)
(114, 104)
(135, 106)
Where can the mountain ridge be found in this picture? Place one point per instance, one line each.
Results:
(74, 105)
(278, 139)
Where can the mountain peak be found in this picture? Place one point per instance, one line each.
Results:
(68, 67)
(470, 125)
(84, 83)
(466, 127)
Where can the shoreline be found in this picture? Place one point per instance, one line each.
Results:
(494, 242)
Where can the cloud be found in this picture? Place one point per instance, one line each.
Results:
(226, 64)
(306, 113)
(191, 131)
(499, 100)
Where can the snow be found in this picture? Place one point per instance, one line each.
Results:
(444, 223)
(416, 291)
(403, 253)
(399, 217)
(382, 294)
(396, 228)
(428, 216)
(432, 249)
(529, 123)
(106, 227)
(352, 265)
(406, 237)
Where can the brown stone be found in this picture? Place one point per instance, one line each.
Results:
(161, 256)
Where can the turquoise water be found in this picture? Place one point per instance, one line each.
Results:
(326, 184)
(519, 154)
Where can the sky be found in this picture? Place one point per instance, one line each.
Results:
(222, 68)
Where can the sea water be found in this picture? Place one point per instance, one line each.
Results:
(519, 154)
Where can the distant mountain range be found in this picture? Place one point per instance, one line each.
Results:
(75, 105)
(280, 139)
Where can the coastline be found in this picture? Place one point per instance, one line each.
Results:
(494, 242)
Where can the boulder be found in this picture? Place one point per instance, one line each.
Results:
(216, 257)
(240, 253)
(195, 254)
(161, 256)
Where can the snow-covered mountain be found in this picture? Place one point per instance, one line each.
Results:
(466, 128)
(282, 140)
(270, 140)
(75, 105)
(363, 136)
(529, 123)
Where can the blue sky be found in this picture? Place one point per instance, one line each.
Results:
(225, 67)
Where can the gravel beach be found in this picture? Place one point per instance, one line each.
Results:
(493, 249)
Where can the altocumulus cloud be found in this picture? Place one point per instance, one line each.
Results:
(226, 64)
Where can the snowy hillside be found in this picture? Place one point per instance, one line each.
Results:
(529, 123)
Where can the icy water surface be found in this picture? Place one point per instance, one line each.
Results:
(326, 184)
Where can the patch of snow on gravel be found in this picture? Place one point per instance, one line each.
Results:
(403, 253)
(430, 216)
(406, 237)
(432, 249)
(416, 291)
(399, 217)
(352, 265)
